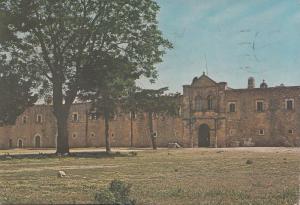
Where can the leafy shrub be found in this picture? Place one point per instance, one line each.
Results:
(249, 161)
(105, 196)
(133, 153)
(117, 193)
(121, 191)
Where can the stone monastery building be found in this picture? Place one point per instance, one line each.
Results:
(211, 115)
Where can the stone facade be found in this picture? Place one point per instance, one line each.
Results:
(87, 131)
(240, 117)
(212, 115)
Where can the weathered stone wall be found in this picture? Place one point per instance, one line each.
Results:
(5, 132)
(275, 120)
(239, 128)
(87, 132)
(27, 131)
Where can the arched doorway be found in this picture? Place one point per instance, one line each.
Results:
(10, 143)
(20, 144)
(204, 136)
(37, 141)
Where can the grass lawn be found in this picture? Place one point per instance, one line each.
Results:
(166, 176)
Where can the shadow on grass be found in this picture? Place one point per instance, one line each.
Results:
(8, 156)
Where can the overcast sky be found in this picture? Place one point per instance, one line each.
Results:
(238, 39)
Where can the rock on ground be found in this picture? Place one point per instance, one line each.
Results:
(61, 174)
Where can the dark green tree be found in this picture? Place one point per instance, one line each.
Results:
(155, 102)
(15, 89)
(130, 105)
(59, 40)
(16, 95)
(106, 86)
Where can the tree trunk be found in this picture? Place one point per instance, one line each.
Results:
(62, 145)
(61, 112)
(131, 129)
(107, 140)
(153, 138)
(86, 127)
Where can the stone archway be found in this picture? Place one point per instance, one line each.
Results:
(20, 143)
(37, 141)
(204, 136)
(10, 143)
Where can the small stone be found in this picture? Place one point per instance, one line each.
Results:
(61, 174)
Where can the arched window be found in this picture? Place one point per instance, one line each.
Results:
(209, 103)
(37, 141)
(198, 105)
(20, 143)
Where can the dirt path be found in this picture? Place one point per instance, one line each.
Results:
(264, 149)
(238, 149)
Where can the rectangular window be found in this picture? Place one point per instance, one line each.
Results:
(198, 101)
(93, 116)
(259, 106)
(232, 107)
(291, 131)
(210, 103)
(24, 119)
(75, 117)
(39, 118)
(289, 104)
(261, 132)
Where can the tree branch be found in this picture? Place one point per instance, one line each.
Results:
(45, 52)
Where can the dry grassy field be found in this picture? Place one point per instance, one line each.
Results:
(166, 176)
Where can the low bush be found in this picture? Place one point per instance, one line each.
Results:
(118, 193)
(133, 153)
(105, 197)
(249, 161)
